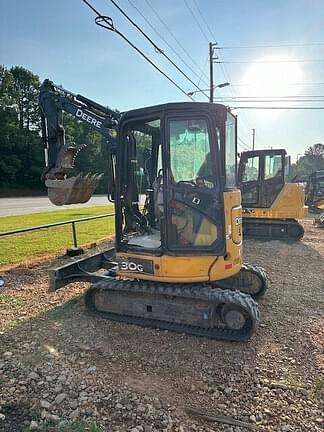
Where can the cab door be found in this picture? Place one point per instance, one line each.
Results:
(273, 177)
(249, 179)
(194, 202)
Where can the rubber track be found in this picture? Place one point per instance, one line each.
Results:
(264, 229)
(233, 283)
(217, 295)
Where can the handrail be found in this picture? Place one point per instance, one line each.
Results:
(71, 251)
(37, 227)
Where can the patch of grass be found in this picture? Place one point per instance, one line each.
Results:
(318, 390)
(294, 381)
(10, 324)
(7, 299)
(32, 245)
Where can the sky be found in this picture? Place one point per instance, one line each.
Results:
(59, 40)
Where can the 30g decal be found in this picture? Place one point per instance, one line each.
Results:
(130, 266)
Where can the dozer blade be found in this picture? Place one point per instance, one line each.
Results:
(73, 190)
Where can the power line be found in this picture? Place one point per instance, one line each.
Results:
(204, 20)
(173, 36)
(299, 84)
(203, 69)
(196, 20)
(223, 67)
(244, 144)
(293, 97)
(158, 49)
(275, 61)
(273, 46)
(167, 43)
(229, 99)
(279, 108)
(107, 23)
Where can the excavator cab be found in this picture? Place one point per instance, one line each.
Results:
(177, 260)
(169, 183)
(261, 176)
(270, 205)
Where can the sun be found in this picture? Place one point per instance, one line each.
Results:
(272, 77)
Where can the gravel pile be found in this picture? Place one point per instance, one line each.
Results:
(62, 370)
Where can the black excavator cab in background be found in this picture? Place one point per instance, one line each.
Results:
(177, 261)
(315, 191)
(271, 206)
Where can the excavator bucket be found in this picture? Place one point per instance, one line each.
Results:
(72, 190)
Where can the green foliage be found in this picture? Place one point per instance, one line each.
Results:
(21, 152)
(313, 160)
(20, 148)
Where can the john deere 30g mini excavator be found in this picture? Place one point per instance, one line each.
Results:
(270, 205)
(177, 261)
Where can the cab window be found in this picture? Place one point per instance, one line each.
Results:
(230, 151)
(251, 169)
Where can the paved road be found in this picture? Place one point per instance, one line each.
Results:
(15, 206)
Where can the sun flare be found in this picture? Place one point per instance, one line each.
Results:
(265, 78)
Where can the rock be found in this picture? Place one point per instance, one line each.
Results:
(88, 412)
(33, 376)
(75, 414)
(44, 414)
(59, 398)
(45, 404)
(7, 354)
(134, 430)
(74, 404)
(141, 408)
(2, 417)
(252, 418)
(286, 428)
(33, 425)
(58, 389)
(119, 406)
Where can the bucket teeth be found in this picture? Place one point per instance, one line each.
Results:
(65, 161)
(73, 190)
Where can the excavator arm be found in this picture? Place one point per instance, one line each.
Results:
(60, 156)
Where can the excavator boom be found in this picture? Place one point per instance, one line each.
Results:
(60, 156)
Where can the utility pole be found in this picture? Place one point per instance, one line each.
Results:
(212, 46)
(253, 138)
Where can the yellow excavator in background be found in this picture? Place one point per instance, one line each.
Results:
(315, 196)
(271, 207)
(177, 261)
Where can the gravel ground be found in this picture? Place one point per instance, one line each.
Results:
(62, 370)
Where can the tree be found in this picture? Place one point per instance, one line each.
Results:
(20, 147)
(24, 91)
(313, 160)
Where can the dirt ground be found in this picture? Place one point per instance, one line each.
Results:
(61, 368)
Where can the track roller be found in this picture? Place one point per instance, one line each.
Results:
(198, 310)
(251, 279)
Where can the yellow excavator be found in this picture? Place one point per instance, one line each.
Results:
(271, 207)
(177, 261)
